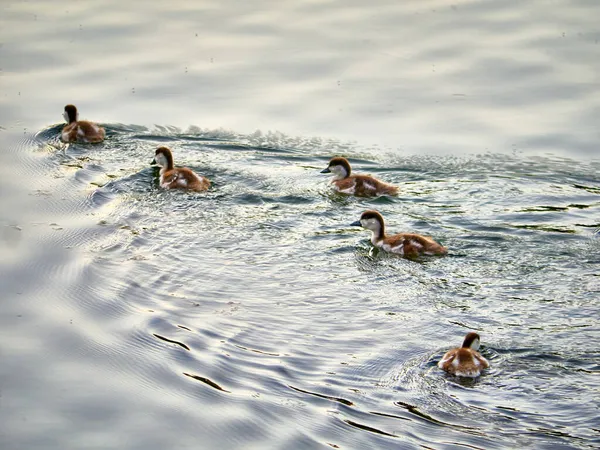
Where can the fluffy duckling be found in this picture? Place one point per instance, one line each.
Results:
(359, 185)
(404, 244)
(466, 360)
(80, 130)
(180, 177)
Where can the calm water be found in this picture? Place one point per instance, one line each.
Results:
(254, 316)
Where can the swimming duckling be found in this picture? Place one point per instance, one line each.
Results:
(403, 244)
(180, 177)
(80, 130)
(359, 185)
(465, 361)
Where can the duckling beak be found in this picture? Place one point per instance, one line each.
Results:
(153, 162)
(326, 170)
(356, 224)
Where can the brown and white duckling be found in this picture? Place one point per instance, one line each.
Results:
(359, 185)
(180, 177)
(80, 130)
(404, 244)
(465, 361)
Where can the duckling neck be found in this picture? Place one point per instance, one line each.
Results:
(345, 174)
(70, 117)
(166, 168)
(377, 235)
(170, 165)
(341, 173)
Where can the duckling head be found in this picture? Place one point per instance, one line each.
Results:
(471, 341)
(371, 220)
(163, 157)
(70, 114)
(339, 167)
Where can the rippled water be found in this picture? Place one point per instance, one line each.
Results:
(254, 316)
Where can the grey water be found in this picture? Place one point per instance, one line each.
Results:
(253, 315)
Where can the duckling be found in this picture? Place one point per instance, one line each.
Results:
(466, 360)
(80, 130)
(404, 244)
(180, 177)
(359, 185)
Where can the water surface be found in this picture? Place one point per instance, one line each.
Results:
(253, 315)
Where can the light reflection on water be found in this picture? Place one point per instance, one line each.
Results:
(254, 315)
(256, 311)
(449, 77)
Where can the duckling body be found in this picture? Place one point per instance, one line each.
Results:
(80, 130)
(409, 245)
(172, 177)
(465, 361)
(360, 185)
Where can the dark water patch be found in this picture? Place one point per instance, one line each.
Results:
(368, 428)
(593, 225)
(118, 129)
(414, 410)
(590, 189)
(544, 208)
(254, 150)
(583, 206)
(326, 397)
(155, 138)
(206, 381)
(391, 416)
(171, 341)
(49, 134)
(142, 182)
(293, 200)
(549, 229)
(382, 201)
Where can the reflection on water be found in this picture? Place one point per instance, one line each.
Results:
(253, 315)
(449, 77)
(257, 311)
